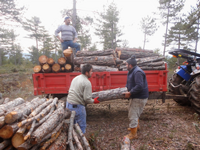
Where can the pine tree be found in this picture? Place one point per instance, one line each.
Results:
(107, 29)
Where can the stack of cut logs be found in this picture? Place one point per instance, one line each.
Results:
(39, 124)
(64, 64)
(107, 60)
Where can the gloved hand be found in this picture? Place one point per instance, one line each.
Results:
(127, 94)
(96, 100)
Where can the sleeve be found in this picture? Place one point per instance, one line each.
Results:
(57, 31)
(139, 83)
(74, 32)
(87, 94)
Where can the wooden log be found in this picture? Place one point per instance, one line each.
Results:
(38, 116)
(77, 68)
(18, 138)
(78, 143)
(110, 94)
(152, 64)
(46, 68)
(68, 68)
(2, 122)
(118, 61)
(68, 52)
(43, 60)
(47, 126)
(56, 68)
(80, 133)
(4, 144)
(6, 100)
(57, 129)
(30, 131)
(50, 62)
(18, 114)
(96, 68)
(9, 148)
(127, 54)
(37, 69)
(71, 130)
(126, 144)
(133, 49)
(25, 146)
(96, 60)
(6, 107)
(7, 131)
(60, 143)
(95, 53)
(153, 68)
(62, 61)
(149, 59)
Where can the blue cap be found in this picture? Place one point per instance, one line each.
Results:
(67, 18)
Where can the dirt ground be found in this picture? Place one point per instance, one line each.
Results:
(167, 126)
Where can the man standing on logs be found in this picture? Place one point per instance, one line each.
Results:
(80, 94)
(137, 94)
(68, 35)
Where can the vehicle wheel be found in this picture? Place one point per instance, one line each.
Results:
(177, 80)
(194, 94)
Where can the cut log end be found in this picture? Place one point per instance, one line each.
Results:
(10, 117)
(6, 132)
(17, 139)
(56, 67)
(43, 59)
(68, 66)
(68, 52)
(37, 69)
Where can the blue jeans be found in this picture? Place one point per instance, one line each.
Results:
(80, 116)
(71, 44)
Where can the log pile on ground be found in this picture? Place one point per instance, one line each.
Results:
(48, 65)
(39, 124)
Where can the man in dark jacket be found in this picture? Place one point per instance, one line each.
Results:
(137, 94)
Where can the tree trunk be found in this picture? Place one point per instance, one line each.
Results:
(43, 60)
(60, 143)
(110, 94)
(50, 62)
(46, 68)
(101, 68)
(37, 69)
(96, 60)
(56, 68)
(47, 126)
(18, 138)
(62, 61)
(127, 54)
(95, 53)
(6, 107)
(18, 114)
(4, 144)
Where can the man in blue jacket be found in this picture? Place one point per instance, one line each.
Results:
(137, 94)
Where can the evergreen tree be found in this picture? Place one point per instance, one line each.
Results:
(107, 29)
(169, 9)
(149, 27)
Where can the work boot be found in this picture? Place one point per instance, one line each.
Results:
(138, 127)
(133, 134)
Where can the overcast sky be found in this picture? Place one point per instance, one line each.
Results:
(131, 13)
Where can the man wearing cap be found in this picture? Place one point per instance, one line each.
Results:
(68, 35)
(137, 94)
(80, 94)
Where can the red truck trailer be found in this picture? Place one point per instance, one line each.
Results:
(58, 83)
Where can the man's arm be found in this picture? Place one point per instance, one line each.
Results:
(139, 83)
(87, 94)
(57, 32)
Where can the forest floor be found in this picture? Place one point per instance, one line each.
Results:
(166, 126)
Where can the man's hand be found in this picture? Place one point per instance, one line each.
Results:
(74, 40)
(61, 40)
(127, 94)
(96, 100)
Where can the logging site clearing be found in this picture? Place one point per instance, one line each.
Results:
(163, 126)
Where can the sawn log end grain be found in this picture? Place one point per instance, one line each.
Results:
(6, 132)
(10, 117)
(17, 139)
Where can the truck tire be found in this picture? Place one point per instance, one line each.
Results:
(194, 94)
(177, 80)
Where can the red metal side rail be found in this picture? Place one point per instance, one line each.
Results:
(59, 83)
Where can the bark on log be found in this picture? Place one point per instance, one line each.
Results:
(110, 94)
(47, 126)
(149, 59)
(62, 61)
(43, 60)
(6, 100)
(2, 122)
(153, 68)
(46, 68)
(18, 138)
(60, 143)
(56, 68)
(12, 104)
(102, 68)
(152, 64)
(127, 54)
(95, 53)
(96, 60)
(4, 144)
(77, 68)
(30, 131)
(25, 146)
(50, 62)
(71, 130)
(57, 129)
(18, 114)
(133, 49)
(78, 143)
(37, 69)
(118, 61)
(85, 141)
